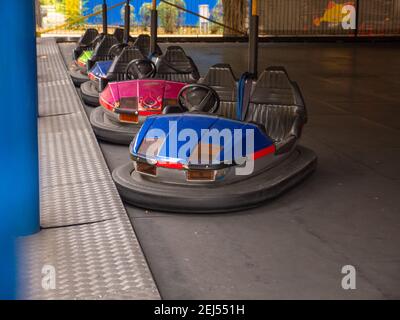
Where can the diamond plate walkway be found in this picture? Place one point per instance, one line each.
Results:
(86, 234)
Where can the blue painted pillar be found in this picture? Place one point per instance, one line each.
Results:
(18, 129)
(19, 181)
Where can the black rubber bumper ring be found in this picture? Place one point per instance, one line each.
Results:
(251, 192)
(111, 131)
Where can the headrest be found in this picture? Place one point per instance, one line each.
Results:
(273, 87)
(220, 75)
(130, 53)
(175, 54)
(176, 62)
(119, 34)
(104, 45)
(121, 61)
(88, 36)
(143, 44)
(142, 39)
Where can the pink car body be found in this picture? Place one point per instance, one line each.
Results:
(139, 98)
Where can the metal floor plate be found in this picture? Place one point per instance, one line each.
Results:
(92, 261)
(53, 81)
(86, 234)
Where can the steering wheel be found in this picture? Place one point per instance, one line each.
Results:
(140, 69)
(116, 49)
(198, 98)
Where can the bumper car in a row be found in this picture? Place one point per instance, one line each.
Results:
(119, 69)
(125, 104)
(85, 46)
(197, 157)
(90, 38)
(104, 47)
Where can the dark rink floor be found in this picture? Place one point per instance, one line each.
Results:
(346, 213)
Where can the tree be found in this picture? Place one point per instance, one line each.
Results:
(235, 12)
(73, 9)
(145, 14)
(217, 14)
(132, 14)
(181, 14)
(99, 18)
(170, 16)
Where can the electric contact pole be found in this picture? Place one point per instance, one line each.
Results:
(153, 28)
(253, 38)
(127, 21)
(105, 22)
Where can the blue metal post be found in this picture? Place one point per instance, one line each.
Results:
(19, 179)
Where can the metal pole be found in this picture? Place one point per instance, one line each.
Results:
(357, 4)
(153, 28)
(127, 21)
(253, 39)
(105, 23)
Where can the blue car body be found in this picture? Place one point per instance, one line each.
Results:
(100, 69)
(233, 139)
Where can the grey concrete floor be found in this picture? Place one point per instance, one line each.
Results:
(346, 213)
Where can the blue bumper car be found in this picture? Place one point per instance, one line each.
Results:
(213, 154)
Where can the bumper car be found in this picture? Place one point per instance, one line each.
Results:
(201, 158)
(107, 71)
(98, 51)
(125, 105)
(85, 43)
(85, 46)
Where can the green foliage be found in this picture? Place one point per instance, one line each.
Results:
(145, 14)
(60, 6)
(73, 10)
(47, 2)
(217, 14)
(171, 17)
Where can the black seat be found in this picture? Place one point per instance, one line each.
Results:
(119, 34)
(117, 71)
(88, 37)
(143, 44)
(102, 50)
(220, 77)
(277, 104)
(175, 65)
(85, 42)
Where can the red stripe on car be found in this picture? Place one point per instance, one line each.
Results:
(263, 152)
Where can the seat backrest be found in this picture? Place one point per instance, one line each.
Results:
(143, 44)
(175, 65)
(276, 103)
(220, 77)
(118, 67)
(119, 34)
(274, 87)
(103, 47)
(87, 42)
(88, 37)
